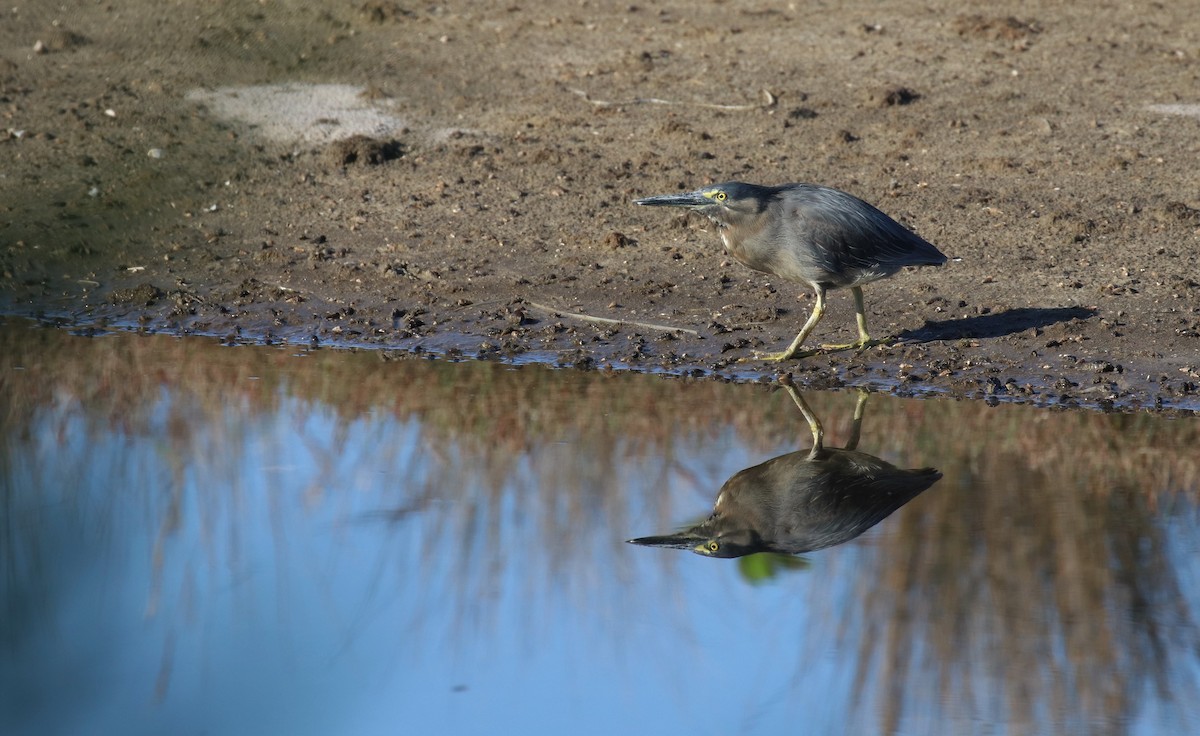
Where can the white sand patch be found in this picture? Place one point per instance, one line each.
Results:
(1191, 111)
(293, 112)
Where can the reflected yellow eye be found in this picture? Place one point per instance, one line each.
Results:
(713, 546)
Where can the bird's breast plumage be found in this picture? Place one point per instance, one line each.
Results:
(737, 236)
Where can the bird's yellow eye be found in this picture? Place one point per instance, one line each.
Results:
(719, 196)
(713, 546)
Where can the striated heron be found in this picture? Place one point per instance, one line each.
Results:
(816, 235)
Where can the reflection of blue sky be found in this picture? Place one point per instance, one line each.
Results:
(287, 601)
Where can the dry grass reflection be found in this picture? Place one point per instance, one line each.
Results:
(1039, 578)
(1057, 580)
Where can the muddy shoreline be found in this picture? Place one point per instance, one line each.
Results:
(485, 212)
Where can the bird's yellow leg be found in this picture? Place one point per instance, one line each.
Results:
(793, 350)
(814, 424)
(856, 424)
(860, 314)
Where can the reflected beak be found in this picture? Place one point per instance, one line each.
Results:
(682, 540)
(690, 199)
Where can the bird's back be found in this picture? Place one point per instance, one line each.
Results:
(833, 238)
(797, 503)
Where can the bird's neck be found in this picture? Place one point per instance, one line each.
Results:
(736, 232)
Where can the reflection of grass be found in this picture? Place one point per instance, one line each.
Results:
(1063, 563)
(765, 566)
(500, 413)
(1044, 537)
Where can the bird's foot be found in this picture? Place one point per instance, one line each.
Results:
(861, 344)
(778, 357)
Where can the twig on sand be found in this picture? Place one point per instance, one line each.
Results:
(768, 101)
(607, 321)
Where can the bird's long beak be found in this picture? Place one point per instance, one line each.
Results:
(680, 540)
(690, 199)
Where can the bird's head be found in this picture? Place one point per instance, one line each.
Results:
(725, 204)
(707, 540)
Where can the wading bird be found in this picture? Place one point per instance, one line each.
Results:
(815, 235)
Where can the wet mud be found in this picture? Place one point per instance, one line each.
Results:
(466, 189)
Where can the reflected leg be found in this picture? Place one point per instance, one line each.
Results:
(814, 424)
(856, 425)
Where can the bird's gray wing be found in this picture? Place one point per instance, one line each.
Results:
(855, 235)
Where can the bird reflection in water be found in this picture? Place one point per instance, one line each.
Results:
(802, 501)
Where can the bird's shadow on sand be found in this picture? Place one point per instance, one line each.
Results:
(1000, 324)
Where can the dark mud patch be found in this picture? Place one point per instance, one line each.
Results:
(484, 210)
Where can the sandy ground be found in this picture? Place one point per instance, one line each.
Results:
(458, 178)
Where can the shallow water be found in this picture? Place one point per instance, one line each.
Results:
(205, 539)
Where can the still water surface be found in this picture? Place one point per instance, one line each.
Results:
(204, 539)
